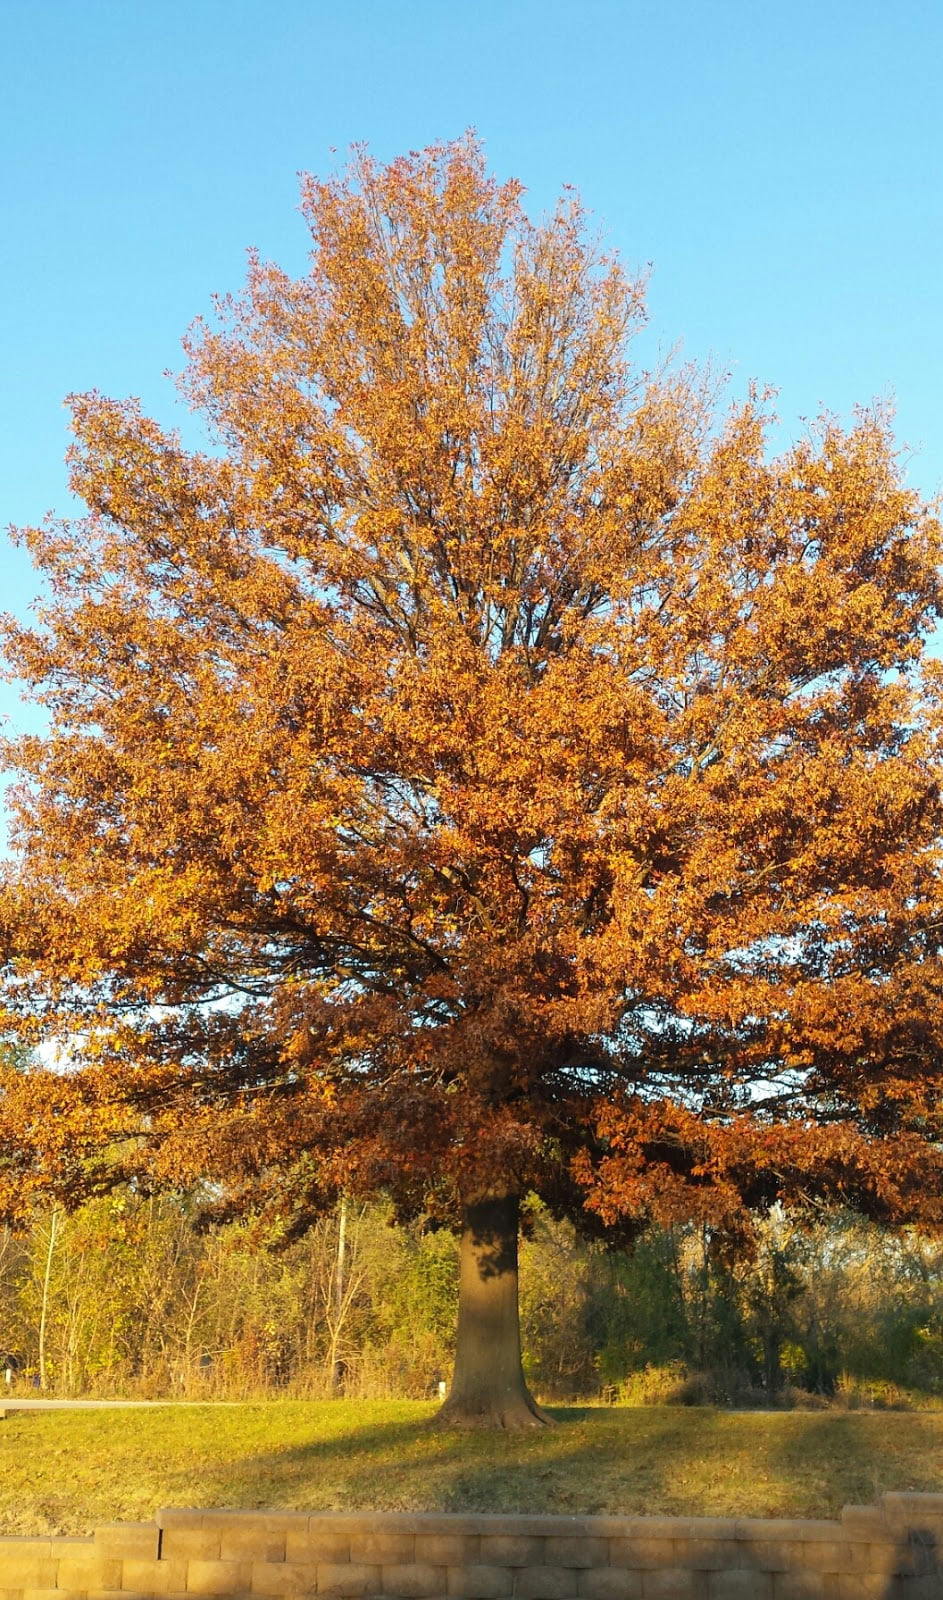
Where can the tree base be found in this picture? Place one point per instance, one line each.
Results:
(511, 1416)
(488, 1389)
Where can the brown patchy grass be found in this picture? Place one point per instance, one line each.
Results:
(66, 1471)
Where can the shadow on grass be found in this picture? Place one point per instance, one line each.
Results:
(688, 1461)
(413, 1466)
(852, 1458)
(578, 1468)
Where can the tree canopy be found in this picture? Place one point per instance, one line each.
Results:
(484, 768)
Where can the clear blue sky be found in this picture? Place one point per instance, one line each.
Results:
(778, 165)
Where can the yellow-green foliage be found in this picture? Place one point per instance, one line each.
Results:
(137, 1302)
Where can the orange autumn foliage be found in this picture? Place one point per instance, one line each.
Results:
(482, 770)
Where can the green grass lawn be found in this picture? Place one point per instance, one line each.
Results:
(64, 1471)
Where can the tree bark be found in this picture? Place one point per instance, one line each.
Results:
(338, 1367)
(53, 1229)
(488, 1388)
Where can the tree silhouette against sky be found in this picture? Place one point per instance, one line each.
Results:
(482, 772)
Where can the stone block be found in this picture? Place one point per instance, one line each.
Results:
(154, 1577)
(118, 1594)
(475, 1581)
(867, 1556)
(351, 1522)
(284, 1577)
(737, 1583)
(316, 1544)
(773, 1555)
(447, 1549)
(823, 1556)
(545, 1583)
(575, 1552)
(278, 1522)
(798, 1586)
(53, 1594)
(912, 1506)
(511, 1550)
(251, 1540)
(673, 1583)
(382, 1547)
(859, 1586)
(352, 1578)
(413, 1580)
(863, 1522)
(709, 1555)
(794, 1530)
(27, 1571)
(135, 1540)
(642, 1552)
(190, 1544)
(610, 1583)
(74, 1549)
(706, 1528)
(89, 1572)
(218, 1577)
(520, 1525)
(180, 1517)
(670, 1528)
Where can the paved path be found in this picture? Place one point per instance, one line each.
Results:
(14, 1404)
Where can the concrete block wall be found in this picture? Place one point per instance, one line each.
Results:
(891, 1551)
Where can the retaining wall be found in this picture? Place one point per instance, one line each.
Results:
(892, 1551)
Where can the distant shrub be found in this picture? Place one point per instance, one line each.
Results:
(668, 1385)
(672, 1384)
(874, 1394)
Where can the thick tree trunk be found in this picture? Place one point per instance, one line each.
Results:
(488, 1388)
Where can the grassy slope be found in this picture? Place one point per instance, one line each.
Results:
(68, 1471)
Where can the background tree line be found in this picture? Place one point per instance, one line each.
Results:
(126, 1295)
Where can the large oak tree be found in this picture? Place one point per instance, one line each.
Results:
(481, 772)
